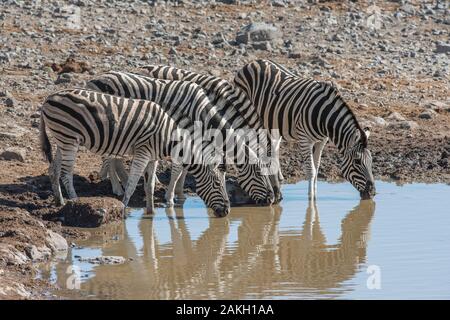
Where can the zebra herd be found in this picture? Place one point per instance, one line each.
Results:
(151, 114)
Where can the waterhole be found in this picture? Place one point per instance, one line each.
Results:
(396, 246)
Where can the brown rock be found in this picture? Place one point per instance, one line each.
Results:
(13, 154)
(71, 65)
(91, 212)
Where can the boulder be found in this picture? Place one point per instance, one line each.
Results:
(428, 114)
(258, 34)
(376, 121)
(9, 102)
(442, 47)
(404, 125)
(38, 253)
(91, 212)
(56, 242)
(10, 154)
(395, 116)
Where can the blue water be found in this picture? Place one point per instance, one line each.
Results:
(291, 251)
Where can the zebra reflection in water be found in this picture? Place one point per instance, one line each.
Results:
(256, 260)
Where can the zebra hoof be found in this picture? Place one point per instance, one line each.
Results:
(59, 202)
(180, 201)
(170, 203)
(118, 193)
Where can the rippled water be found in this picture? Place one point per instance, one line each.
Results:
(394, 247)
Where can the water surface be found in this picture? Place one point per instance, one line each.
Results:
(295, 250)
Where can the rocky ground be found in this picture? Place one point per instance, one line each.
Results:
(390, 61)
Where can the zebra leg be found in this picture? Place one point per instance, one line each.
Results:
(54, 173)
(179, 187)
(149, 185)
(140, 161)
(306, 149)
(68, 156)
(121, 171)
(105, 168)
(114, 177)
(280, 175)
(311, 222)
(175, 174)
(317, 154)
(276, 186)
(277, 177)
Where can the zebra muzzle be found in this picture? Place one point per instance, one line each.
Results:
(369, 191)
(221, 211)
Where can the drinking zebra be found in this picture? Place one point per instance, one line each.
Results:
(112, 125)
(309, 112)
(233, 102)
(185, 99)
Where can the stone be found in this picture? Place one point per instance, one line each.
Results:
(5, 93)
(11, 256)
(173, 51)
(103, 260)
(278, 3)
(437, 105)
(377, 121)
(91, 212)
(404, 125)
(9, 102)
(408, 8)
(259, 32)
(428, 114)
(218, 38)
(395, 116)
(262, 45)
(63, 78)
(38, 253)
(11, 154)
(56, 242)
(295, 54)
(337, 38)
(442, 47)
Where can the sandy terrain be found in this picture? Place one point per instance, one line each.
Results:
(394, 75)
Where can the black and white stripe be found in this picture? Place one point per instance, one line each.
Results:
(115, 126)
(310, 112)
(234, 104)
(186, 99)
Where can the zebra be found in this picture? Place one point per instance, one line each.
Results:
(310, 112)
(233, 102)
(112, 125)
(181, 98)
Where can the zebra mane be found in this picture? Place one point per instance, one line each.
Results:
(363, 137)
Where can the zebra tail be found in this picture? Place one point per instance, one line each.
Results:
(46, 147)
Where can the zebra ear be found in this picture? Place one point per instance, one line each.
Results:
(367, 132)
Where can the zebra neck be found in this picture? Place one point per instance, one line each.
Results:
(342, 128)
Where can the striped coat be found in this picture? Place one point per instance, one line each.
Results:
(115, 126)
(185, 99)
(311, 113)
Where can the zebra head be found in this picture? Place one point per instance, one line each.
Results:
(210, 186)
(357, 166)
(257, 185)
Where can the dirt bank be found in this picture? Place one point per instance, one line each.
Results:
(393, 73)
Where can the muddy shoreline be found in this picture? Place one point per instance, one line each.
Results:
(395, 79)
(31, 192)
